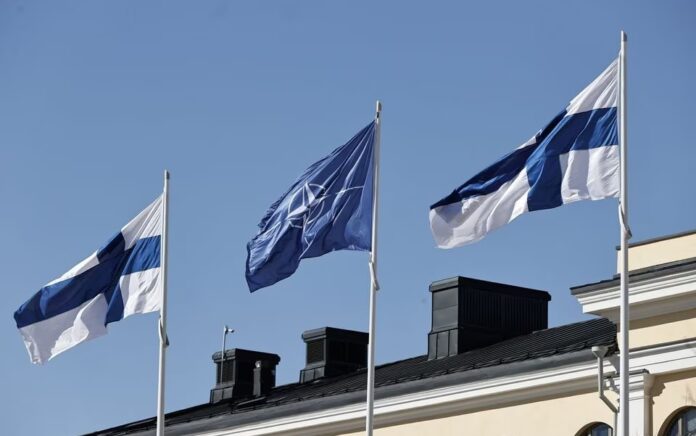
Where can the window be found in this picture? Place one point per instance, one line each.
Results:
(683, 424)
(597, 429)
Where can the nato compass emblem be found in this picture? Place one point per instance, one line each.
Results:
(306, 205)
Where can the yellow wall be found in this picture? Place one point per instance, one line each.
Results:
(662, 329)
(554, 416)
(670, 393)
(549, 417)
(659, 252)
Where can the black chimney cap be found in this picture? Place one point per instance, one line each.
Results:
(470, 313)
(332, 351)
(234, 353)
(238, 373)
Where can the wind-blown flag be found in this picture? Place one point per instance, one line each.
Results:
(328, 208)
(575, 157)
(120, 279)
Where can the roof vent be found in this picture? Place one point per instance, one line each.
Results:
(242, 371)
(332, 352)
(469, 314)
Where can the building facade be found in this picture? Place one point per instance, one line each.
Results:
(492, 368)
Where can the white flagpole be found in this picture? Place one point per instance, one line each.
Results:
(374, 286)
(625, 235)
(163, 310)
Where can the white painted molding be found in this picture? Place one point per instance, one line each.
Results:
(665, 359)
(649, 297)
(639, 403)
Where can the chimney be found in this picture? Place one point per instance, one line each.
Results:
(264, 377)
(240, 372)
(470, 313)
(332, 352)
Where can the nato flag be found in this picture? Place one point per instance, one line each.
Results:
(328, 208)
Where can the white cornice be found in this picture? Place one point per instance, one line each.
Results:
(649, 297)
(665, 359)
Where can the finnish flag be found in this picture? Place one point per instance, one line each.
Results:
(120, 279)
(575, 157)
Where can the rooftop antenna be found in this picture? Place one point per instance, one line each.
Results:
(225, 331)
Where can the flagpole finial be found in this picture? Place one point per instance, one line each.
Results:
(166, 174)
(624, 36)
(378, 108)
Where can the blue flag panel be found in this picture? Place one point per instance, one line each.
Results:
(328, 208)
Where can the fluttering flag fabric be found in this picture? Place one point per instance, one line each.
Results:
(120, 279)
(328, 208)
(575, 157)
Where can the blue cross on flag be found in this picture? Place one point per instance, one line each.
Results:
(575, 157)
(328, 208)
(120, 279)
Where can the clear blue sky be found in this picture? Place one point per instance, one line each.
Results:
(237, 99)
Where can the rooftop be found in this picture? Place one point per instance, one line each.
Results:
(535, 351)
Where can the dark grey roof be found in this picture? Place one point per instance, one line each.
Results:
(650, 272)
(542, 349)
